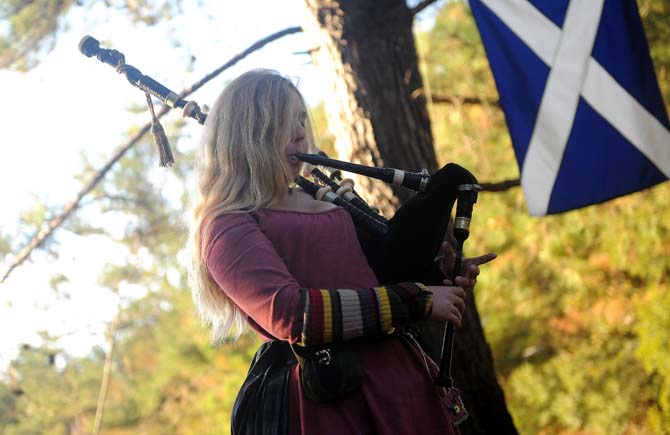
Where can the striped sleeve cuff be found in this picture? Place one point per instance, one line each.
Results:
(344, 314)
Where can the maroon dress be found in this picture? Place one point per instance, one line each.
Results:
(262, 260)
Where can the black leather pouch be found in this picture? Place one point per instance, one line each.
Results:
(328, 371)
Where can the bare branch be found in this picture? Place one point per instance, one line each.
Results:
(460, 100)
(500, 186)
(308, 52)
(57, 221)
(255, 46)
(421, 6)
(104, 382)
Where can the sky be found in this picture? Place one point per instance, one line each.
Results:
(71, 105)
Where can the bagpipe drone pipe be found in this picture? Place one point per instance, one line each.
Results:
(408, 243)
(400, 249)
(405, 248)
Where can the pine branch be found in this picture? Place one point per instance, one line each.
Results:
(56, 222)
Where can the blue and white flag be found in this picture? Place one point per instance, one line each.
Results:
(580, 96)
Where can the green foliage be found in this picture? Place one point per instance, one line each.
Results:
(655, 15)
(169, 379)
(323, 139)
(8, 405)
(653, 330)
(45, 397)
(5, 244)
(453, 57)
(576, 306)
(31, 27)
(165, 377)
(31, 222)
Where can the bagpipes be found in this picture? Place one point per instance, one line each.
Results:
(404, 247)
(400, 249)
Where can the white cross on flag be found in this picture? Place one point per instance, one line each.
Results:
(580, 97)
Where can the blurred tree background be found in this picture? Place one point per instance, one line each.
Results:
(576, 308)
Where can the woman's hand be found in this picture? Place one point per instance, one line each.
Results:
(448, 303)
(469, 267)
(449, 300)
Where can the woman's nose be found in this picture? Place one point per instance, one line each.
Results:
(300, 129)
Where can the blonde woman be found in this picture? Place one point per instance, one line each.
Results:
(268, 255)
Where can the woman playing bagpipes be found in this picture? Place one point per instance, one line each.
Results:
(336, 358)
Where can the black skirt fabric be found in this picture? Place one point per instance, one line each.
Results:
(261, 406)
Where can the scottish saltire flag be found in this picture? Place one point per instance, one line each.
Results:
(580, 96)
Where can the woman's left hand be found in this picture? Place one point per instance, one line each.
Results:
(469, 267)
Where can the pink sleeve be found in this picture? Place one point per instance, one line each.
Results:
(246, 266)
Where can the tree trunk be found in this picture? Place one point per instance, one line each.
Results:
(376, 108)
(377, 112)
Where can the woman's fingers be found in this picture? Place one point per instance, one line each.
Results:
(466, 283)
(448, 303)
(448, 250)
(447, 258)
(482, 259)
(471, 272)
(459, 303)
(454, 316)
(457, 298)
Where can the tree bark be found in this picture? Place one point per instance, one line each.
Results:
(376, 109)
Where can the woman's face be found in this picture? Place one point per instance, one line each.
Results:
(298, 142)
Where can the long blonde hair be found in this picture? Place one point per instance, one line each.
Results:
(240, 166)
